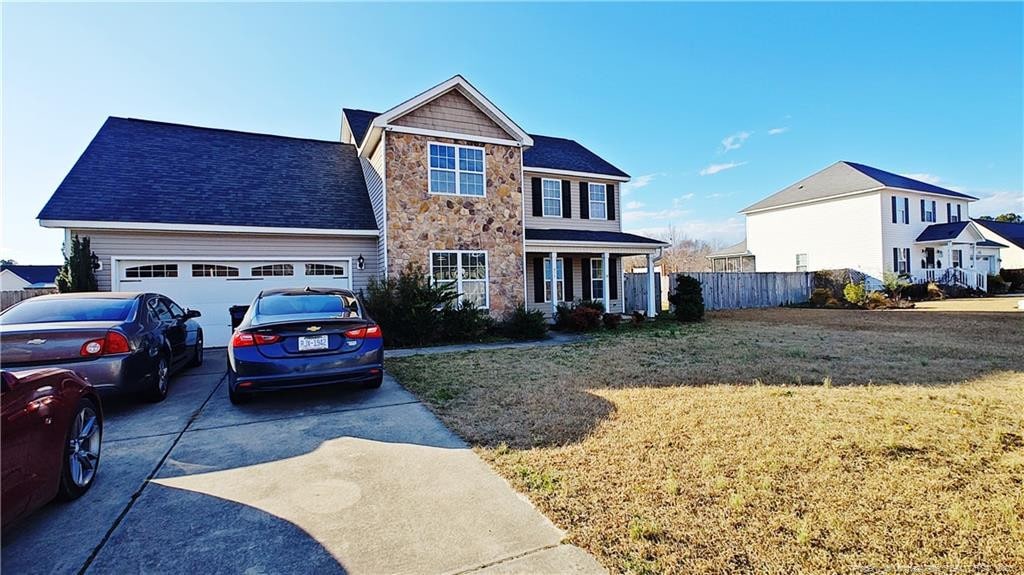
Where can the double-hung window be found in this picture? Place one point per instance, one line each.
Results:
(958, 258)
(598, 201)
(597, 278)
(552, 197)
(901, 210)
(902, 260)
(456, 170)
(559, 280)
(801, 262)
(929, 210)
(465, 271)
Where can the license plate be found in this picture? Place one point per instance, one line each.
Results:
(312, 343)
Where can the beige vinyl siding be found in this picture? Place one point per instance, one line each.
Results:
(575, 222)
(577, 282)
(120, 243)
(373, 173)
(452, 112)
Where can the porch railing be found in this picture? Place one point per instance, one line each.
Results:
(962, 277)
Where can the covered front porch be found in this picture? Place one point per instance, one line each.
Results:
(953, 254)
(587, 266)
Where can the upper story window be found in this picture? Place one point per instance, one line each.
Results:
(900, 210)
(801, 263)
(598, 201)
(927, 210)
(456, 170)
(552, 197)
(953, 214)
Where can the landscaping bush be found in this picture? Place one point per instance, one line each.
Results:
(612, 320)
(933, 291)
(639, 317)
(894, 285)
(522, 324)
(833, 303)
(78, 274)
(820, 296)
(877, 300)
(465, 322)
(688, 299)
(997, 285)
(584, 319)
(562, 313)
(1013, 277)
(835, 280)
(408, 307)
(856, 294)
(592, 304)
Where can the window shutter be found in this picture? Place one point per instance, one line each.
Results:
(570, 292)
(585, 272)
(538, 198)
(610, 198)
(566, 199)
(613, 278)
(896, 260)
(906, 210)
(894, 209)
(935, 212)
(922, 209)
(538, 280)
(959, 214)
(949, 212)
(584, 202)
(906, 252)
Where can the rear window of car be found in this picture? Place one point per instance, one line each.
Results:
(57, 310)
(326, 304)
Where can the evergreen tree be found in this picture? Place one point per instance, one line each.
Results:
(78, 273)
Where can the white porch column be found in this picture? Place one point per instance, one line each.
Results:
(974, 255)
(650, 286)
(606, 289)
(554, 283)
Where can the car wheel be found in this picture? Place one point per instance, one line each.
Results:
(160, 380)
(197, 353)
(81, 451)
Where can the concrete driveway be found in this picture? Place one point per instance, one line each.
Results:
(326, 481)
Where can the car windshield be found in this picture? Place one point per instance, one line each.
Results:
(308, 303)
(78, 309)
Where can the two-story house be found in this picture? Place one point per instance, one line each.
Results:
(854, 216)
(444, 181)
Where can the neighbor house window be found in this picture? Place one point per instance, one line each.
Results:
(552, 191)
(465, 271)
(213, 271)
(598, 201)
(559, 280)
(929, 210)
(272, 270)
(801, 263)
(325, 270)
(152, 271)
(597, 278)
(456, 170)
(902, 260)
(901, 210)
(958, 258)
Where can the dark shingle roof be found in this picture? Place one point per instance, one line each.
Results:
(588, 236)
(563, 154)
(145, 171)
(359, 121)
(936, 232)
(897, 181)
(33, 274)
(1011, 231)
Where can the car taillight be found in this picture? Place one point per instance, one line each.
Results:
(243, 339)
(114, 342)
(371, 332)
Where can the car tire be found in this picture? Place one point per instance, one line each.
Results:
(160, 380)
(375, 383)
(82, 442)
(197, 352)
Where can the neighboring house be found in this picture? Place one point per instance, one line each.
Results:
(444, 180)
(16, 277)
(1009, 234)
(854, 216)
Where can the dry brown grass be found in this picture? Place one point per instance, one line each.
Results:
(693, 449)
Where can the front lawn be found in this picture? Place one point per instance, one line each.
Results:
(775, 440)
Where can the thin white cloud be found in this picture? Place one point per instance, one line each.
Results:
(995, 203)
(634, 205)
(934, 180)
(777, 131)
(638, 182)
(716, 168)
(721, 232)
(653, 215)
(735, 141)
(714, 195)
(683, 198)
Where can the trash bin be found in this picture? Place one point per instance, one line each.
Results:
(237, 313)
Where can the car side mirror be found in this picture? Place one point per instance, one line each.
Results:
(192, 313)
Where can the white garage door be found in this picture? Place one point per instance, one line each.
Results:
(214, 286)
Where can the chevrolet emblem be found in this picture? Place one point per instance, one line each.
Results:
(313, 328)
(36, 341)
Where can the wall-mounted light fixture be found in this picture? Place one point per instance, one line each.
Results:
(360, 262)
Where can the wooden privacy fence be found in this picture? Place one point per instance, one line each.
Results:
(9, 298)
(634, 288)
(733, 290)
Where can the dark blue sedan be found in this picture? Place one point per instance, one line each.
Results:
(304, 337)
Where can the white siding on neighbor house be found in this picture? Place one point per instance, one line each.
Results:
(901, 235)
(373, 173)
(118, 243)
(840, 233)
(10, 281)
(577, 285)
(575, 222)
(1012, 256)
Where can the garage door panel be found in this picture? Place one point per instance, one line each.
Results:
(213, 286)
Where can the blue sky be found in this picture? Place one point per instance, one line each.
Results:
(709, 107)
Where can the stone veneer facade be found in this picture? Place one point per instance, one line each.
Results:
(419, 221)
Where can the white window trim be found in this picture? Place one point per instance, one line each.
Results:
(458, 268)
(457, 171)
(806, 263)
(558, 282)
(597, 295)
(591, 202)
(559, 182)
(902, 205)
(903, 260)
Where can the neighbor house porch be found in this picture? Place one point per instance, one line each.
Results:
(587, 266)
(953, 254)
